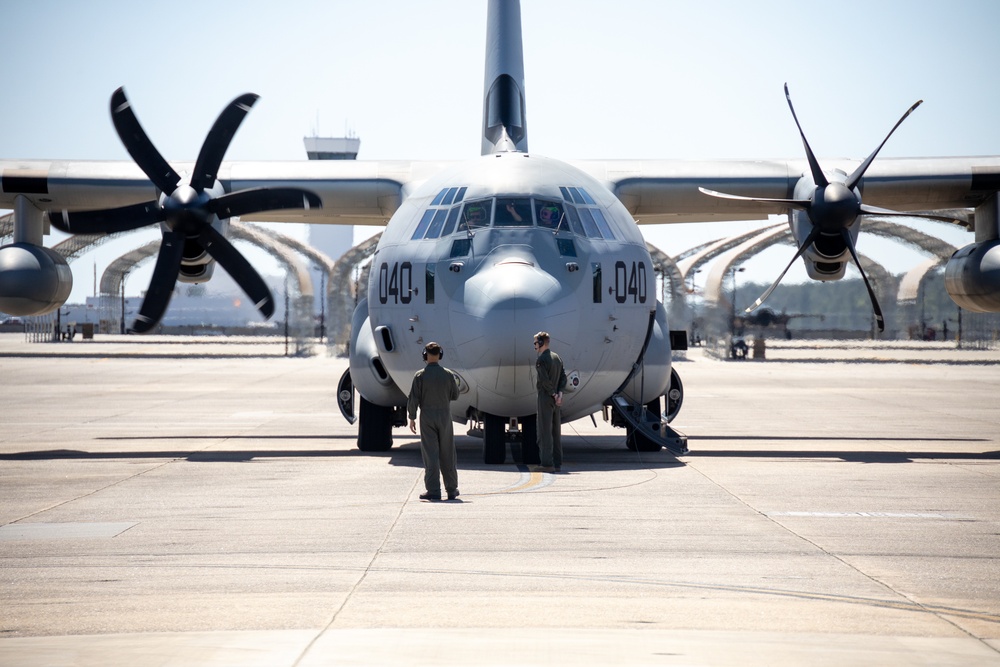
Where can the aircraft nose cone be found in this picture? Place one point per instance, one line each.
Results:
(505, 304)
(511, 286)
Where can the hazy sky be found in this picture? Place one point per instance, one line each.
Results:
(622, 79)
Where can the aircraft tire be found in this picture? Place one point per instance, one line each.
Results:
(494, 440)
(374, 427)
(529, 441)
(637, 442)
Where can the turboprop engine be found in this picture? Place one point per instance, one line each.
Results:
(972, 277)
(34, 280)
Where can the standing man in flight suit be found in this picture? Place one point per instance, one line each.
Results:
(551, 380)
(433, 390)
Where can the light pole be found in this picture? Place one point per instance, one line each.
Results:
(286, 315)
(693, 274)
(322, 305)
(733, 272)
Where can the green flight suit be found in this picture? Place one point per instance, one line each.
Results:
(550, 380)
(433, 389)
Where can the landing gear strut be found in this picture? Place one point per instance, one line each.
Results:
(524, 444)
(494, 439)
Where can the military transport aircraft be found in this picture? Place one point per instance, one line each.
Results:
(480, 255)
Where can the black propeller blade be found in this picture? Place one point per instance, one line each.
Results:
(187, 210)
(214, 148)
(139, 146)
(871, 293)
(161, 286)
(813, 235)
(239, 268)
(833, 207)
(107, 221)
(254, 200)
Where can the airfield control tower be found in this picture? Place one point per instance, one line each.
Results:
(332, 240)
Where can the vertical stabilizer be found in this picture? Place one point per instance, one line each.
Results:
(505, 127)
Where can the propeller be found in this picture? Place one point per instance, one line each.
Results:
(186, 209)
(832, 208)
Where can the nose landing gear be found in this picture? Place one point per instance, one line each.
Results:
(522, 436)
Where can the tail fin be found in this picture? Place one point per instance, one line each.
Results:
(505, 127)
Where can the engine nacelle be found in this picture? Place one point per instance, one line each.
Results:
(827, 258)
(368, 373)
(34, 280)
(972, 277)
(197, 266)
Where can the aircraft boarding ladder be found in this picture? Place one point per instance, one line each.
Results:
(644, 424)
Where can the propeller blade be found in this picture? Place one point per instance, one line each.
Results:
(871, 293)
(245, 202)
(889, 213)
(238, 268)
(819, 178)
(214, 148)
(161, 287)
(139, 146)
(803, 204)
(813, 235)
(107, 221)
(855, 178)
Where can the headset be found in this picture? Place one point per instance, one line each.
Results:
(431, 347)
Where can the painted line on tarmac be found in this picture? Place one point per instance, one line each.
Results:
(874, 515)
(529, 481)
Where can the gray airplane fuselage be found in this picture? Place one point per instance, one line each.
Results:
(492, 251)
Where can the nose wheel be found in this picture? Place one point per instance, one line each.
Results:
(494, 439)
(523, 442)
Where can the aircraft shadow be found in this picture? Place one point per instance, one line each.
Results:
(592, 453)
(871, 456)
(579, 453)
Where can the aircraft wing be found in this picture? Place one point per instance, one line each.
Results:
(654, 191)
(352, 192)
(667, 191)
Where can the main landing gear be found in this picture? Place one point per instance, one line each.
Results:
(523, 441)
(375, 424)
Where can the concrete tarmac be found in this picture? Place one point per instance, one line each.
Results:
(204, 504)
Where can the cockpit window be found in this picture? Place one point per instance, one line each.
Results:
(449, 196)
(437, 223)
(449, 226)
(589, 226)
(575, 225)
(578, 196)
(425, 221)
(476, 214)
(602, 223)
(550, 214)
(451, 214)
(513, 212)
(439, 220)
(586, 218)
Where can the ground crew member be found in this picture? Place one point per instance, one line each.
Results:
(551, 380)
(433, 389)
